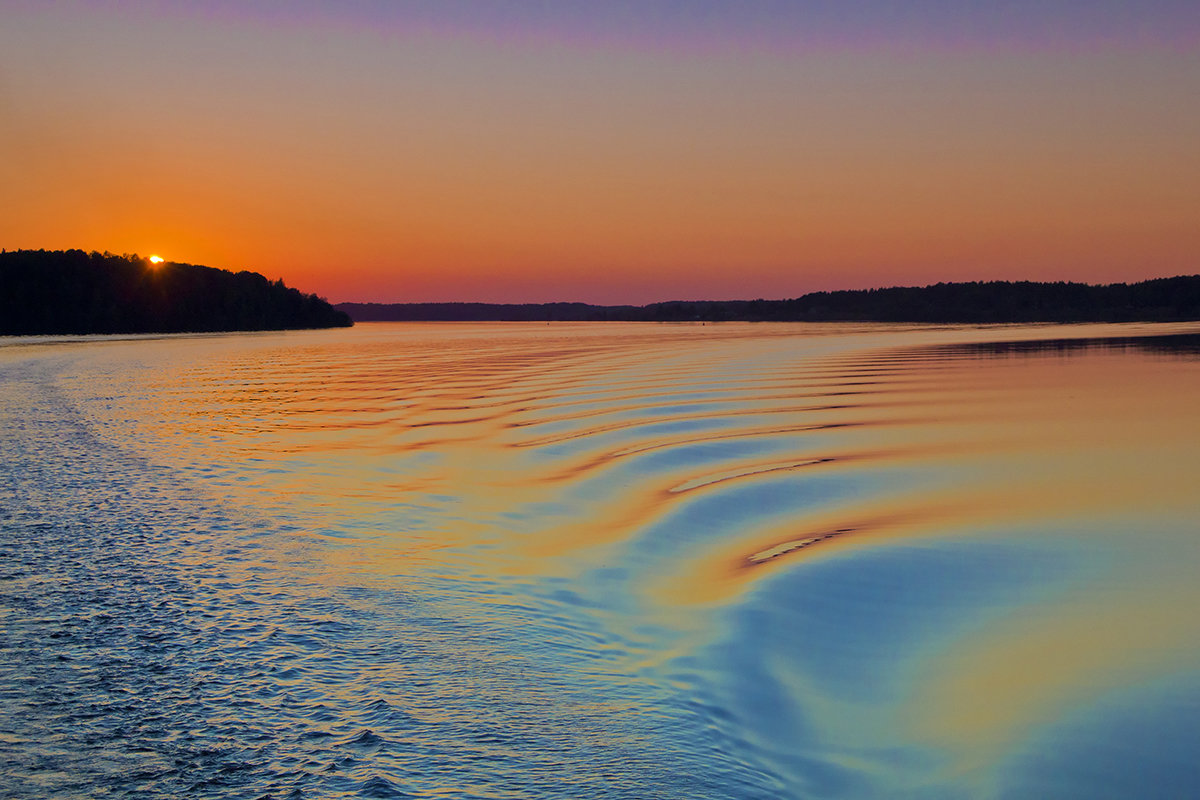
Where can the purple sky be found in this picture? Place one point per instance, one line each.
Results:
(933, 23)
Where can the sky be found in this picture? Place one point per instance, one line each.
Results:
(617, 152)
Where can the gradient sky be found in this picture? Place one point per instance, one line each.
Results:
(516, 151)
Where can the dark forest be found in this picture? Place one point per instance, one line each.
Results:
(1159, 300)
(74, 292)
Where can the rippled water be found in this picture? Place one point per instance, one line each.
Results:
(627, 561)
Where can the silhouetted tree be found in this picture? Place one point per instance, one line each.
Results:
(1163, 299)
(73, 292)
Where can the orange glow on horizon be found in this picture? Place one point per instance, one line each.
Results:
(628, 176)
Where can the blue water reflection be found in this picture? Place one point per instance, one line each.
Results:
(754, 561)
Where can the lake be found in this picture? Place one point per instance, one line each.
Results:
(603, 561)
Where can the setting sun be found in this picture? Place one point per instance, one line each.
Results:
(156, 259)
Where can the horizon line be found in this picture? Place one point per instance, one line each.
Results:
(747, 299)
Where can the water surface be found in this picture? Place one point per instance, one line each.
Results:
(602, 560)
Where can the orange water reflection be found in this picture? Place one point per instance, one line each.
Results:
(676, 478)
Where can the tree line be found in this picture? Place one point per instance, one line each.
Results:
(1161, 299)
(76, 292)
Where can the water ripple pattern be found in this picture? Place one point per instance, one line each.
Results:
(602, 560)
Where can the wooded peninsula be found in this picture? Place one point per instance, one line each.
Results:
(1159, 300)
(73, 292)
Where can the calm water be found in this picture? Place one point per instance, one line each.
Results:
(603, 561)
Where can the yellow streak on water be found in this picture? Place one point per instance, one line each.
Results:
(991, 691)
(530, 455)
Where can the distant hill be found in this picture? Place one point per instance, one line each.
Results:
(73, 292)
(1162, 299)
(498, 312)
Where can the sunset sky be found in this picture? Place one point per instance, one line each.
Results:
(624, 151)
